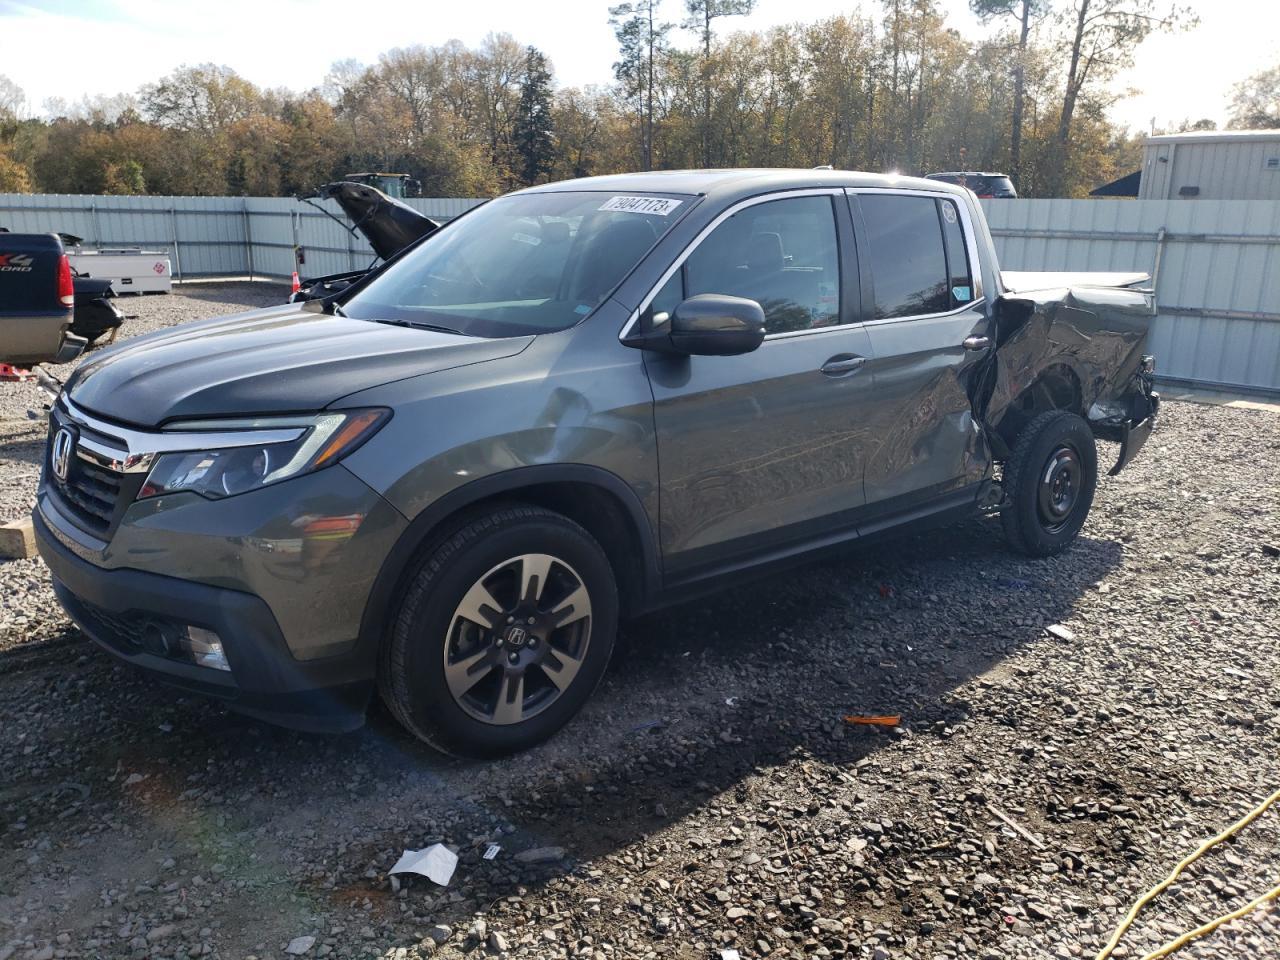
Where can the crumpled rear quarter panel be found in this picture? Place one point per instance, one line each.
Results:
(1098, 332)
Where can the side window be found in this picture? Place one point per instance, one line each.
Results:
(908, 261)
(961, 280)
(666, 300)
(783, 254)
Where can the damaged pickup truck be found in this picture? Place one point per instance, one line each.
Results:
(448, 480)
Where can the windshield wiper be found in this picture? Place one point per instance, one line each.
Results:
(418, 325)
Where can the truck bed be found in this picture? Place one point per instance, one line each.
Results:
(1019, 281)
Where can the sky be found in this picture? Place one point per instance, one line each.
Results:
(68, 48)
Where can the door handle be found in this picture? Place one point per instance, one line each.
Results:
(842, 363)
(976, 343)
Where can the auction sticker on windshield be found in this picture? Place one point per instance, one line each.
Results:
(658, 206)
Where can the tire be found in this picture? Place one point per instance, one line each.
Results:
(1049, 482)
(466, 648)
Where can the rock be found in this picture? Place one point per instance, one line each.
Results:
(541, 855)
(1060, 632)
(479, 930)
(440, 933)
(300, 945)
(163, 932)
(496, 942)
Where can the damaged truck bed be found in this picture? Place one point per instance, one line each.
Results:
(1075, 341)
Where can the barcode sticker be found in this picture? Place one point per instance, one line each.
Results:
(492, 851)
(657, 206)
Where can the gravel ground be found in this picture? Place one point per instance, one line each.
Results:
(710, 797)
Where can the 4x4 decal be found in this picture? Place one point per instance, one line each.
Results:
(16, 262)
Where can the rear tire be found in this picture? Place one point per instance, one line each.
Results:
(1049, 481)
(503, 634)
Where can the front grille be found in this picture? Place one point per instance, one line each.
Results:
(91, 493)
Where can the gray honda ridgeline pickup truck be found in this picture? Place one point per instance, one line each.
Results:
(572, 404)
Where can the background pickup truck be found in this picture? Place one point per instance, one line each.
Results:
(37, 301)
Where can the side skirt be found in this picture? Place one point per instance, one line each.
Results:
(875, 524)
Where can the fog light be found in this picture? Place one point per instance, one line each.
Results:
(204, 647)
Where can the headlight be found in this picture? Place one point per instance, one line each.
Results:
(246, 454)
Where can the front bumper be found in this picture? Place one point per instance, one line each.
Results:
(128, 612)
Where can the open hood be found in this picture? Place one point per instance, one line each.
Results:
(385, 222)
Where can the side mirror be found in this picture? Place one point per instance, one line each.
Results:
(709, 324)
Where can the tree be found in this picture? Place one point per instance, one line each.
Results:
(13, 100)
(14, 176)
(1024, 12)
(641, 39)
(1255, 101)
(205, 98)
(1104, 34)
(534, 133)
(701, 16)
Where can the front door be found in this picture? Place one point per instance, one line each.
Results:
(768, 448)
(928, 327)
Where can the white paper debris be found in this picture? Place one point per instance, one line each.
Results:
(436, 863)
(491, 851)
(729, 955)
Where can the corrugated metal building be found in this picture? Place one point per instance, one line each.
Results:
(1227, 165)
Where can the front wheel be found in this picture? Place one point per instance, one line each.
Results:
(1049, 482)
(504, 633)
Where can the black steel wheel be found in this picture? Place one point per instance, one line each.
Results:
(1049, 482)
(504, 632)
(1059, 488)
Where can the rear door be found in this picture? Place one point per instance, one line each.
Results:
(927, 322)
(766, 449)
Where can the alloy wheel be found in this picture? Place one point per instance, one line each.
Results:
(517, 639)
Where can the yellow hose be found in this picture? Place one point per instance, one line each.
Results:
(1168, 881)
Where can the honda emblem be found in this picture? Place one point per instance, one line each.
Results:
(64, 444)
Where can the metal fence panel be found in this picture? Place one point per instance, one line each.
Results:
(1216, 265)
(211, 236)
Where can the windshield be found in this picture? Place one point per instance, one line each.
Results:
(528, 263)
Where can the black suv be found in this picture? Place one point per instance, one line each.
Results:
(987, 186)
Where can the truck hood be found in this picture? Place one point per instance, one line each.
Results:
(386, 223)
(1016, 281)
(278, 360)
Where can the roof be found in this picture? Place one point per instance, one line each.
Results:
(967, 173)
(1215, 136)
(1126, 186)
(742, 181)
